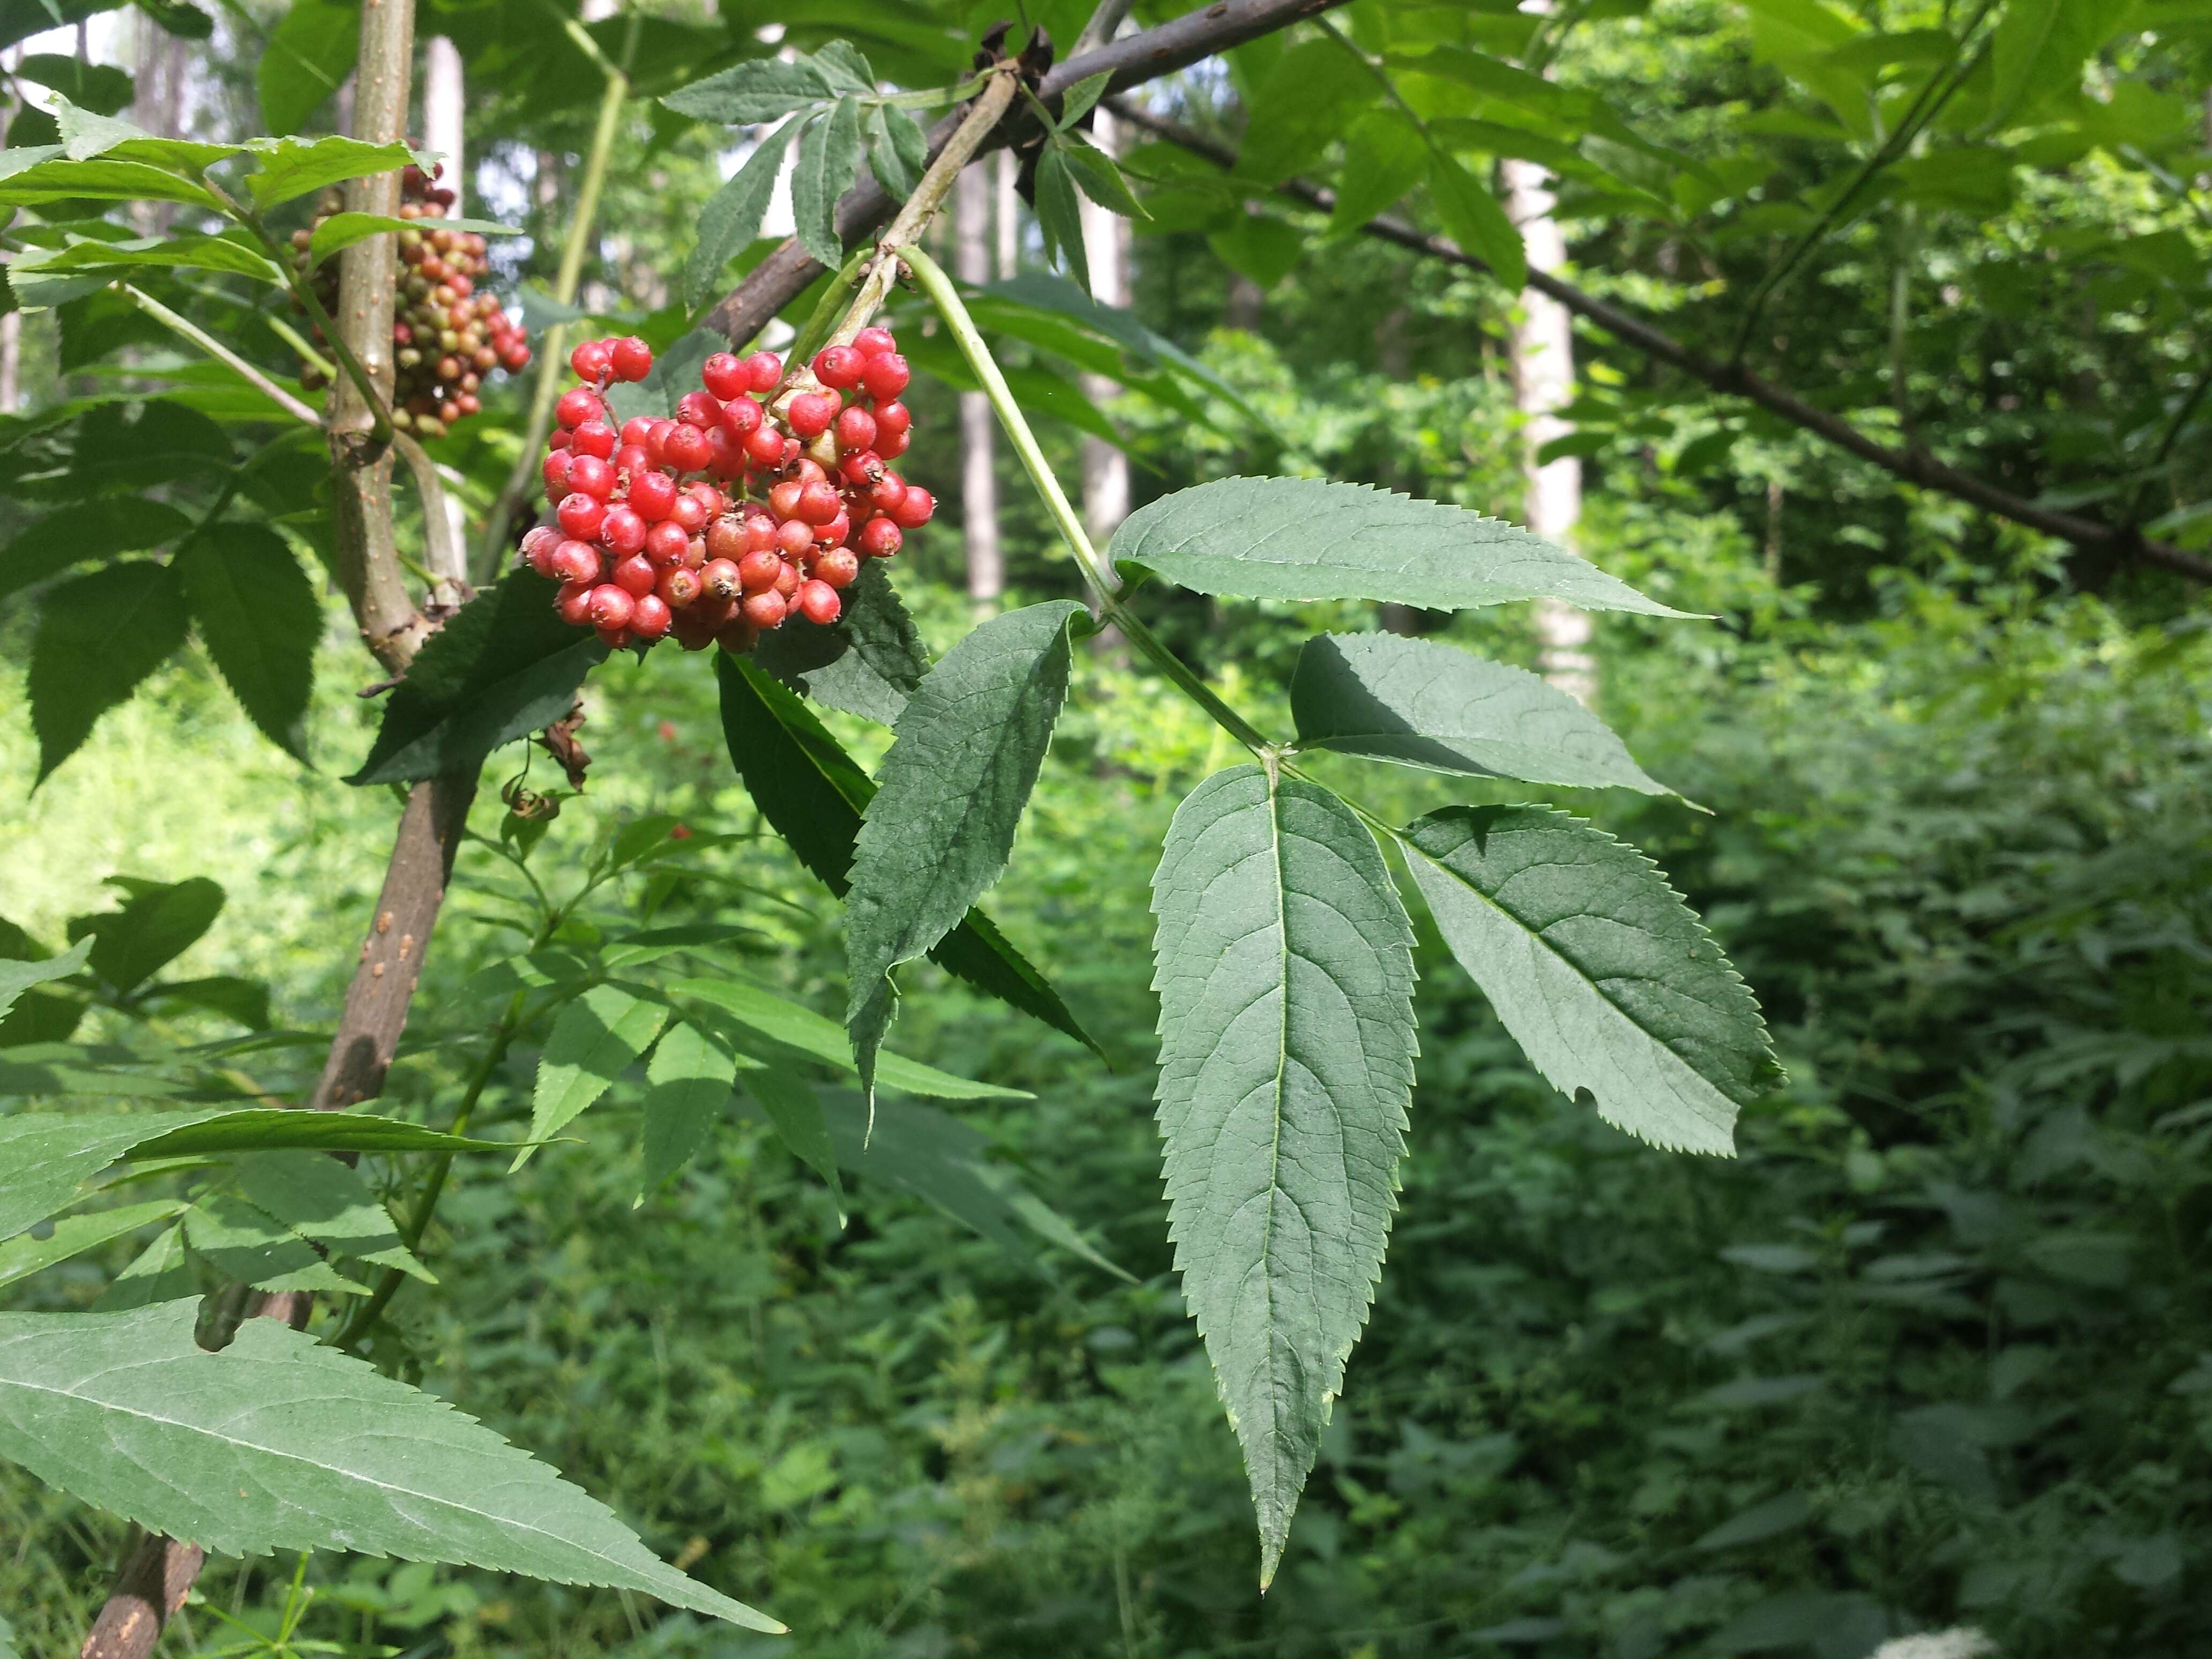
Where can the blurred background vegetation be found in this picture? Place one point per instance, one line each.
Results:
(1932, 1352)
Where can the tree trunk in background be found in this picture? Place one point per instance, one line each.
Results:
(1543, 383)
(11, 326)
(1006, 171)
(1106, 246)
(158, 105)
(1247, 298)
(978, 481)
(443, 101)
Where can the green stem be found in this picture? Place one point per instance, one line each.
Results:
(1096, 572)
(292, 338)
(222, 354)
(828, 309)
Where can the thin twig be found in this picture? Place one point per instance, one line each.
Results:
(222, 354)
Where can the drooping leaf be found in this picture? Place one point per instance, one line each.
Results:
(257, 615)
(342, 230)
(1285, 977)
(1308, 539)
(762, 89)
(32, 177)
(733, 215)
(1422, 703)
(1098, 178)
(282, 1442)
(99, 636)
(504, 666)
(866, 663)
(1300, 109)
(829, 157)
(793, 1109)
(814, 793)
(95, 529)
(1019, 305)
(23, 1255)
(17, 976)
(691, 1077)
(1473, 218)
(790, 1029)
(158, 923)
(1080, 99)
(292, 167)
(242, 1242)
(898, 151)
(595, 1038)
(308, 55)
(1059, 216)
(1594, 964)
(951, 795)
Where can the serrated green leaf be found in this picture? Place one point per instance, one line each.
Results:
(342, 230)
(866, 663)
(127, 1411)
(764, 89)
(690, 1078)
(812, 793)
(162, 1271)
(829, 157)
(1059, 216)
(86, 135)
(1611, 986)
(898, 149)
(733, 215)
(502, 666)
(793, 1109)
(1308, 539)
(95, 529)
(17, 976)
(31, 178)
(1095, 174)
(1302, 106)
(1422, 703)
(1080, 99)
(321, 1199)
(846, 68)
(1473, 218)
(1283, 965)
(257, 614)
(189, 253)
(308, 55)
(158, 923)
(1383, 158)
(242, 1243)
(949, 798)
(292, 167)
(22, 1256)
(272, 1128)
(788, 1026)
(99, 636)
(594, 1041)
(1038, 307)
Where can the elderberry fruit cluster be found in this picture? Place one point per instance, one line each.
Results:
(446, 335)
(756, 503)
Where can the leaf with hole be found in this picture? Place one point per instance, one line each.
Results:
(281, 1443)
(1596, 967)
(1283, 965)
(950, 796)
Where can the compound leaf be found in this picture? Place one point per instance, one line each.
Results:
(1308, 539)
(95, 529)
(733, 215)
(1611, 986)
(764, 89)
(1285, 977)
(282, 1442)
(259, 617)
(829, 157)
(99, 636)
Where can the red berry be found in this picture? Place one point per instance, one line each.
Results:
(575, 604)
(556, 471)
(652, 493)
(690, 511)
(759, 530)
(764, 610)
(622, 531)
(611, 606)
(686, 447)
(834, 533)
(811, 413)
(886, 493)
(838, 366)
(894, 417)
(726, 456)
(581, 515)
(890, 445)
(840, 567)
(765, 369)
(787, 580)
(693, 631)
(885, 376)
(613, 638)
(677, 586)
(737, 636)
(819, 603)
(578, 404)
(656, 439)
(724, 375)
(794, 537)
(741, 417)
(590, 476)
(856, 429)
(665, 542)
(574, 562)
(638, 429)
(635, 575)
(783, 498)
(758, 571)
(874, 342)
(537, 551)
(594, 360)
(880, 538)
(632, 458)
(726, 538)
(633, 359)
(694, 552)
(594, 438)
(764, 447)
(818, 503)
(697, 408)
(719, 579)
(650, 616)
(913, 508)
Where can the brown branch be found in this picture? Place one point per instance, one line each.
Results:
(1132, 61)
(1914, 465)
(157, 1574)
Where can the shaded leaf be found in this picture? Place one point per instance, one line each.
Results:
(866, 663)
(898, 151)
(1473, 218)
(95, 529)
(257, 615)
(157, 924)
(96, 86)
(595, 1038)
(1059, 216)
(342, 230)
(162, 1271)
(691, 1077)
(308, 55)
(793, 1109)
(18, 976)
(788, 1026)
(1383, 158)
(319, 1198)
(1283, 965)
(1301, 108)
(23, 1255)
(242, 1242)
(829, 157)
(99, 636)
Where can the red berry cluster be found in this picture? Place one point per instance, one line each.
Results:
(447, 337)
(720, 523)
